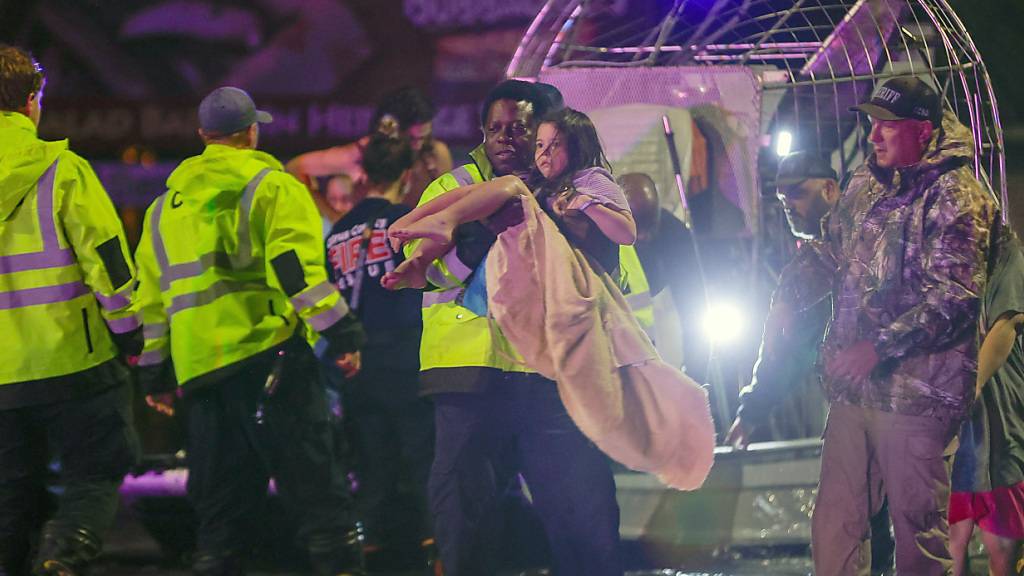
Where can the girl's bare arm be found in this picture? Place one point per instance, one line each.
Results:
(468, 203)
(619, 227)
(997, 346)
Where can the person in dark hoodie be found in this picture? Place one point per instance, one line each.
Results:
(233, 293)
(66, 304)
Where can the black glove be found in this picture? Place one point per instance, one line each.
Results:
(129, 343)
(156, 378)
(344, 336)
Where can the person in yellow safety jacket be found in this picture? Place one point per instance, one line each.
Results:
(633, 282)
(232, 291)
(494, 417)
(65, 304)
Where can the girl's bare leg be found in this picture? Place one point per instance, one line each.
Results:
(439, 227)
(423, 210)
(441, 215)
(412, 272)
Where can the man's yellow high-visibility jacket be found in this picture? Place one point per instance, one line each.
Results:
(231, 264)
(65, 276)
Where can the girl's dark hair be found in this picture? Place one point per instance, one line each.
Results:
(580, 139)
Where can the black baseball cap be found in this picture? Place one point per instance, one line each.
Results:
(799, 166)
(903, 99)
(227, 110)
(553, 94)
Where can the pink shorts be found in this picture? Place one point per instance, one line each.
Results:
(999, 512)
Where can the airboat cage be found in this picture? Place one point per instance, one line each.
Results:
(735, 78)
(753, 69)
(745, 72)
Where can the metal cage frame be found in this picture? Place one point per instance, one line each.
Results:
(816, 57)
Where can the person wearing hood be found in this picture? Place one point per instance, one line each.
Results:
(234, 294)
(909, 236)
(66, 281)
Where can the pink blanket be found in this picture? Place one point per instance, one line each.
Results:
(573, 325)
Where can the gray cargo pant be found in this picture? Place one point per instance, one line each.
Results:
(870, 454)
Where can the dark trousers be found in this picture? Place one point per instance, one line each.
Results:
(393, 439)
(519, 423)
(238, 438)
(93, 441)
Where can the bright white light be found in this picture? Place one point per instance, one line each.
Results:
(723, 322)
(783, 143)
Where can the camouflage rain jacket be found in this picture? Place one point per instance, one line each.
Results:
(910, 247)
(800, 310)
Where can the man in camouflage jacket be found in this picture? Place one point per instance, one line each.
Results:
(909, 237)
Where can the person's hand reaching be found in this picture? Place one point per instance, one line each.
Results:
(349, 363)
(162, 403)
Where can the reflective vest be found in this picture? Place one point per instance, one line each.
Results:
(65, 278)
(231, 259)
(453, 336)
(633, 282)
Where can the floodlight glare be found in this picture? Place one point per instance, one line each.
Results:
(783, 143)
(723, 322)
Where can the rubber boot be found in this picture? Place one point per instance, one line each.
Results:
(212, 564)
(331, 557)
(66, 550)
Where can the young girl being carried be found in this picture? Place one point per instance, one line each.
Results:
(572, 183)
(558, 305)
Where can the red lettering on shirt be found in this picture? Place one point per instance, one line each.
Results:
(378, 250)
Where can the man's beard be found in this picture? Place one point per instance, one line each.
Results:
(804, 228)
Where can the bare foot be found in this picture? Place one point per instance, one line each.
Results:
(436, 227)
(411, 273)
(399, 224)
(396, 244)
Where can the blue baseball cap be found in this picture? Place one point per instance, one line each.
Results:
(227, 110)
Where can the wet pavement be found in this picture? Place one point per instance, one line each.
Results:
(650, 515)
(131, 551)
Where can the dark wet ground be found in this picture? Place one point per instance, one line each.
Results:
(647, 510)
(131, 551)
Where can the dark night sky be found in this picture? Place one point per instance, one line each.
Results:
(995, 26)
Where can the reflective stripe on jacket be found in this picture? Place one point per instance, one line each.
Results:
(453, 336)
(65, 275)
(231, 258)
(635, 288)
